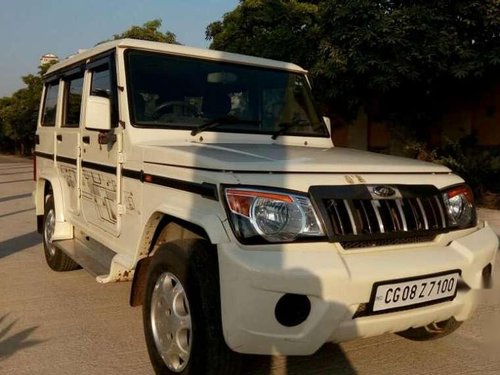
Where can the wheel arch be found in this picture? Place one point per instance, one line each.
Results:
(159, 229)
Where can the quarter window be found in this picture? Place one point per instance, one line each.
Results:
(73, 101)
(50, 104)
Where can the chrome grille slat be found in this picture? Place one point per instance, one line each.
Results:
(338, 217)
(375, 205)
(399, 204)
(395, 221)
(351, 217)
(424, 216)
(369, 224)
(441, 211)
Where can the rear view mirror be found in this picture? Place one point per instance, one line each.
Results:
(221, 77)
(98, 113)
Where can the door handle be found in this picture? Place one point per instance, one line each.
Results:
(59, 137)
(86, 139)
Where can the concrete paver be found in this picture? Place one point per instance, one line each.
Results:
(66, 323)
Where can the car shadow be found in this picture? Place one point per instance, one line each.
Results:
(11, 341)
(14, 181)
(17, 172)
(14, 197)
(16, 212)
(330, 359)
(16, 244)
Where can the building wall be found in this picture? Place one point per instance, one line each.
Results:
(479, 116)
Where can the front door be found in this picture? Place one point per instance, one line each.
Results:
(100, 155)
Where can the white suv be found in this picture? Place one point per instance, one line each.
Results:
(210, 180)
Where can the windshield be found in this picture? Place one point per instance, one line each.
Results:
(185, 93)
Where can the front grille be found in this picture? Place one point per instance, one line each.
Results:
(360, 219)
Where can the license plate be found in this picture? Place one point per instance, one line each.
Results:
(408, 293)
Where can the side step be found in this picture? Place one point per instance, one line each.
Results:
(94, 259)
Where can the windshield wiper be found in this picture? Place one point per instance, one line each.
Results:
(227, 120)
(283, 127)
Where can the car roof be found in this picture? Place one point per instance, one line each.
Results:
(174, 49)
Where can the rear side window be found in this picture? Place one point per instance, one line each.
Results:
(73, 101)
(50, 104)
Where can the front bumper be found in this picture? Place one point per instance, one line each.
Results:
(337, 282)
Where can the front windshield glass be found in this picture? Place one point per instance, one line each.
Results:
(185, 93)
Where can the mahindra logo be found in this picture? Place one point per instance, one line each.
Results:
(384, 191)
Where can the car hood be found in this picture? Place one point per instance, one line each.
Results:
(262, 158)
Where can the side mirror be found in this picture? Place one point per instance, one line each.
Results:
(98, 113)
(328, 124)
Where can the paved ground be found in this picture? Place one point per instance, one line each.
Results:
(66, 323)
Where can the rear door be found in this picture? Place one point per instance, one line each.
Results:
(45, 136)
(68, 139)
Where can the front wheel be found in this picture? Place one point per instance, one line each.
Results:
(432, 331)
(181, 312)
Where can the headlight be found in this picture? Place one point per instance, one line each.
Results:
(459, 202)
(274, 216)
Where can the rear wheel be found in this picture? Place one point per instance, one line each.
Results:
(432, 331)
(181, 312)
(55, 258)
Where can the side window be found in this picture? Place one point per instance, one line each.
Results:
(101, 82)
(73, 101)
(50, 104)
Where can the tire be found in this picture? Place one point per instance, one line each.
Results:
(432, 331)
(56, 259)
(186, 338)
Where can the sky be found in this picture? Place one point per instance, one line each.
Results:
(32, 28)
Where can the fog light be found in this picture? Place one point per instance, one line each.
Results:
(292, 309)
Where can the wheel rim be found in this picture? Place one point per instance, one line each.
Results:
(49, 227)
(171, 322)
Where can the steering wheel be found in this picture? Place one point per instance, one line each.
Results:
(164, 107)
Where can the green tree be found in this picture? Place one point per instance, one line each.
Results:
(19, 114)
(401, 58)
(148, 31)
(275, 29)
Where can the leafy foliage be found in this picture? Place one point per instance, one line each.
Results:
(479, 167)
(19, 113)
(148, 31)
(400, 56)
(275, 29)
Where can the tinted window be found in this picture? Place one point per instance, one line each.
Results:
(73, 101)
(50, 105)
(101, 82)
